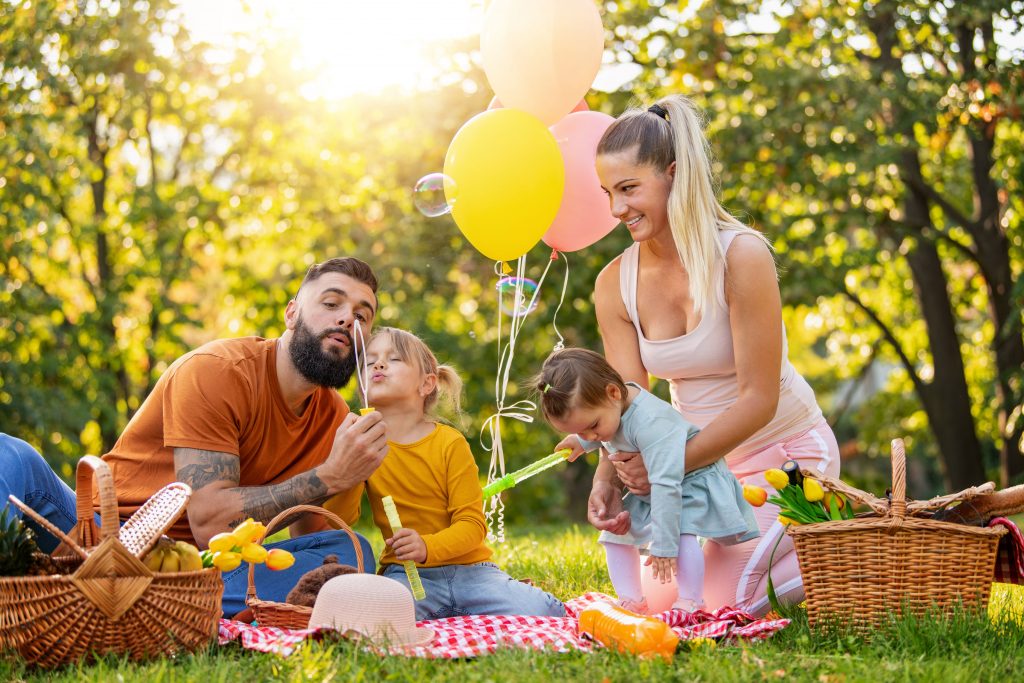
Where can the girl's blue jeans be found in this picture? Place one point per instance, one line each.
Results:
(457, 590)
(25, 473)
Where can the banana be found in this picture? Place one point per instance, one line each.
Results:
(154, 558)
(172, 561)
(190, 559)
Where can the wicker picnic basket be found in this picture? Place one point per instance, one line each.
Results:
(110, 603)
(894, 559)
(283, 614)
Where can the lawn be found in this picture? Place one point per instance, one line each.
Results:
(568, 562)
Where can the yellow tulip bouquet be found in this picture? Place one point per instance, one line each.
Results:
(801, 500)
(229, 549)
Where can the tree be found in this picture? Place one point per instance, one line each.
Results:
(878, 144)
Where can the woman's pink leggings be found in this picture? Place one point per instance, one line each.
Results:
(737, 575)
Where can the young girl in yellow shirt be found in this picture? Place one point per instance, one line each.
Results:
(430, 473)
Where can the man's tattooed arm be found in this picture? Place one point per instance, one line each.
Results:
(218, 503)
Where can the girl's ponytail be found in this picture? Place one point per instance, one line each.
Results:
(449, 388)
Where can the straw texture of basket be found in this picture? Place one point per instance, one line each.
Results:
(283, 614)
(855, 572)
(111, 603)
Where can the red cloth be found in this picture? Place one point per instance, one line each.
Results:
(1010, 557)
(470, 636)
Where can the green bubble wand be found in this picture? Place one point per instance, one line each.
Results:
(410, 567)
(510, 480)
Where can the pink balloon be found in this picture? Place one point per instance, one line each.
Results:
(584, 217)
(580, 106)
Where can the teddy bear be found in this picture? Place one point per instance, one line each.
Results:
(305, 591)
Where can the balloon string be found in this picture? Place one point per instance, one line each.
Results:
(560, 344)
(520, 410)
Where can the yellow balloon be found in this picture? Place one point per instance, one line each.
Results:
(509, 173)
(542, 55)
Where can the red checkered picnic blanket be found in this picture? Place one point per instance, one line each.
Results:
(470, 636)
(1010, 557)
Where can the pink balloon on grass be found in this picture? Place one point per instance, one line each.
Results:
(583, 217)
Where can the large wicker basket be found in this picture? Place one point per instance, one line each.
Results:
(855, 572)
(283, 614)
(110, 603)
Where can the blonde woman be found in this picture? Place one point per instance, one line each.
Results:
(695, 300)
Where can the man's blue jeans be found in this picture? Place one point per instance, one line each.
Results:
(25, 473)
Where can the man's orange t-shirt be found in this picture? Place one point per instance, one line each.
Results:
(224, 396)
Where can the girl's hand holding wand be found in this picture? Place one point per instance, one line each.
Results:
(408, 545)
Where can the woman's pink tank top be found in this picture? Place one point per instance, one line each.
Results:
(701, 367)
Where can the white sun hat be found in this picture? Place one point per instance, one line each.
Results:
(376, 607)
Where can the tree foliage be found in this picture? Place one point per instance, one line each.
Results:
(158, 193)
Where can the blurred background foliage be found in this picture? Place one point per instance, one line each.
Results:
(157, 192)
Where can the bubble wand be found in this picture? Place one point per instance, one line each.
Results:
(410, 567)
(510, 480)
(361, 369)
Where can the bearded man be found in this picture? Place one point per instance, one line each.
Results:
(254, 426)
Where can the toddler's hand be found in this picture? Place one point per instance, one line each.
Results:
(664, 568)
(408, 545)
(571, 442)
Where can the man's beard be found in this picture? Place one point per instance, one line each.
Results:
(323, 368)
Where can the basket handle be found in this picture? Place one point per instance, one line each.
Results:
(89, 466)
(278, 522)
(898, 503)
(48, 525)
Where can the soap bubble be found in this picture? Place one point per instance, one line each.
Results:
(517, 306)
(430, 196)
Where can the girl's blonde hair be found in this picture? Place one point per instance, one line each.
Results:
(694, 213)
(412, 349)
(572, 378)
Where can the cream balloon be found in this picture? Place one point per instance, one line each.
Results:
(542, 55)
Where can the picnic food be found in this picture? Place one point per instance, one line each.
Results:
(622, 630)
(19, 554)
(171, 556)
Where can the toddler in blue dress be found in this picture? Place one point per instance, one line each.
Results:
(580, 393)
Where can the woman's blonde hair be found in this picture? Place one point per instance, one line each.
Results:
(412, 349)
(694, 212)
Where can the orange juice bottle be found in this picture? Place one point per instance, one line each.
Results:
(622, 630)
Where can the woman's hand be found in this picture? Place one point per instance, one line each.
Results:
(571, 442)
(604, 509)
(631, 471)
(408, 545)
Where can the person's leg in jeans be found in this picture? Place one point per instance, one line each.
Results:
(482, 588)
(309, 551)
(24, 473)
(438, 601)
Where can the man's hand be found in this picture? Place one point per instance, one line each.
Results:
(571, 442)
(408, 545)
(359, 447)
(604, 509)
(631, 471)
(664, 568)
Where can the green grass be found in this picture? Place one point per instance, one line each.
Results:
(568, 562)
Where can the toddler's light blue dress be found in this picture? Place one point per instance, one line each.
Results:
(707, 502)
